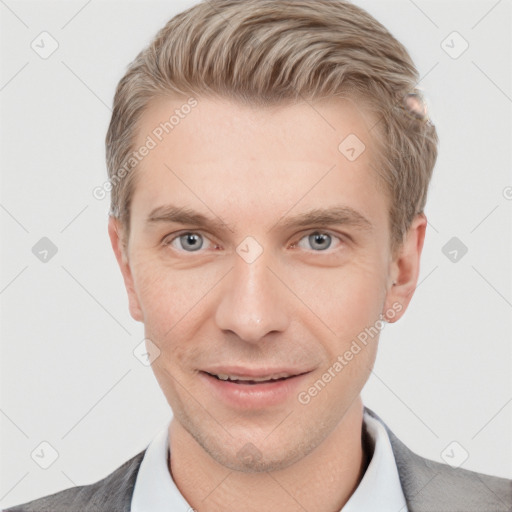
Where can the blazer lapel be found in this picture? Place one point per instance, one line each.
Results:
(114, 493)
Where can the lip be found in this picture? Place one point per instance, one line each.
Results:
(253, 396)
(256, 373)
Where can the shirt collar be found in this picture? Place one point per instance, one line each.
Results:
(378, 491)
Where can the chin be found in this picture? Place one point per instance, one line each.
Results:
(242, 455)
(251, 460)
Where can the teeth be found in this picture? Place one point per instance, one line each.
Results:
(254, 379)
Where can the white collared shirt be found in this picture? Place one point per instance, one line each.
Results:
(378, 491)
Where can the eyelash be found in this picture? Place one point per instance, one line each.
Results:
(168, 241)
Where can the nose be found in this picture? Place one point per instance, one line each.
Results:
(252, 303)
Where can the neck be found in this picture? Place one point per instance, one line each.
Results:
(324, 480)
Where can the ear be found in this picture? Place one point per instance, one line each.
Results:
(404, 270)
(120, 246)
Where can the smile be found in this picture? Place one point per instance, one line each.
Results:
(251, 380)
(253, 390)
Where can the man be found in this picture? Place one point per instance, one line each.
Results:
(287, 143)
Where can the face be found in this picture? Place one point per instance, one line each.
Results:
(260, 251)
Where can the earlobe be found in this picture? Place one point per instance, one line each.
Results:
(405, 269)
(115, 232)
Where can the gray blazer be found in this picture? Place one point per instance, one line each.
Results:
(428, 486)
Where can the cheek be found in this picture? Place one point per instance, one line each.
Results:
(171, 299)
(162, 292)
(345, 299)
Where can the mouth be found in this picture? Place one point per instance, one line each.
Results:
(250, 380)
(245, 389)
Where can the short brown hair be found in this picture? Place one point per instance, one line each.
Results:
(264, 52)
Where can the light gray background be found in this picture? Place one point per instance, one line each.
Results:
(68, 373)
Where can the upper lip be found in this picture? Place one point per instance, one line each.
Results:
(257, 373)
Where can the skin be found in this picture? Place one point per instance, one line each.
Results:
(298, 304)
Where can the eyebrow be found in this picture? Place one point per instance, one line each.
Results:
(338, 215)
(183, 215)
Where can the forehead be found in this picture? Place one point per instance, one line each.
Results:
(220, 156)
(222, 126)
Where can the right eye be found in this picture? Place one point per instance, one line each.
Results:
(189, 241)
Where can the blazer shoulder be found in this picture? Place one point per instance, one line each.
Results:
(433, 486)
(110, 494)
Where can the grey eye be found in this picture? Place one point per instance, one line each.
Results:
(320, 241)
(191, 241)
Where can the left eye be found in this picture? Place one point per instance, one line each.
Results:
(318, 240)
